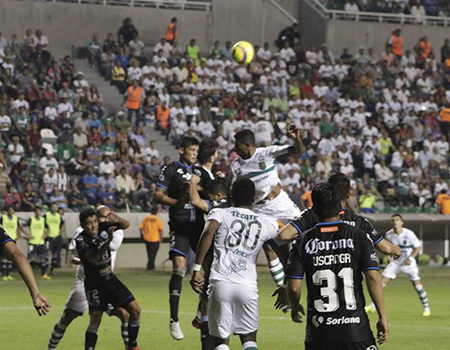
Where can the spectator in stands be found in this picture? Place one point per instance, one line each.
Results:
(396, 42)
(47, 162)
(107, 196)
(172, 31)
(90, 184)
(133, 99)
(351, 6)
(76, 199)
(59, 198)
(29, 198)
(19, 174)
(12, 198)
(124, 181)
(94, 50)
(118, 77)
(192, 50)
(127, 31)
(367, 201)
(443, 202)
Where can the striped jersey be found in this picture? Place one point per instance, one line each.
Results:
(406, 240)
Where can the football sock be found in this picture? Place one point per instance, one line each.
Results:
(175, 291)
(4, 262)
(422, 295)
(207, 341)
(91, 338)
(133, 330)
(277, 271)
(44, 265)
(57, 335)
(55, 258)
(222, 347)
(9, 267)
(124, 331)
(250, 345)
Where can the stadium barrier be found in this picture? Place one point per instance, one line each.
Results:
(433, 230)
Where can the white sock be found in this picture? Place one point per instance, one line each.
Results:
(222, 347)
(250, 345)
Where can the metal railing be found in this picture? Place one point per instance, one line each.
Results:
(159, 4)
(395, 18)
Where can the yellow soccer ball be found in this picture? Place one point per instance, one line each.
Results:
(243, 52)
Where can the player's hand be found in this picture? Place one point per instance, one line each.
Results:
(382, 331)
(282, 298)
(197, 282)
(408, 262)
(195, 180)
(41, 305)
(296, 313)
(112, 217)
(397, 252)
(294, 132)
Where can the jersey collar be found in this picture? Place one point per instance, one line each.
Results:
(329, 223)
(184, 166)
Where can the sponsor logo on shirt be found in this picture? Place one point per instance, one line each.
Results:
(313, 246)
(329, 229)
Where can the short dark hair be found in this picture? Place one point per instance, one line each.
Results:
(208, 148)
(154, 210)
(342, 183)
(187, 142)
(243, 192)
(245, 136)
(85, 214)
(326, 200)
(216, 186)
(397, 215)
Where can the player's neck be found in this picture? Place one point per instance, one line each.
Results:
(208, 166)
(398, 230)
(334, 218)
(184, 162)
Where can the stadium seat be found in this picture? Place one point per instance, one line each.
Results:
(48, 136)
(136, 208)
(44, 208)
(415, 210)
(402, 210)
(429, 211)
(388, 210)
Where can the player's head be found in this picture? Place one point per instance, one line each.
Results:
(154, 210)
(89, 222)
(53, 208)
(342, 183)
(37, 211)
(188, 148)
(397, 221)
(243, 192)
(10, 210)
(102, 213)
(245, 143)
(326, 201)
(207, 152)
(216, 190)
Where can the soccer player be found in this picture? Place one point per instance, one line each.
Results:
(10, 251)
(260, 165)
(36, 243)
(77, 303)
(334, 256)
(238, 235)
(10, 223)
(55, 225)
(185, 221)
(410, 246)
(101, 285)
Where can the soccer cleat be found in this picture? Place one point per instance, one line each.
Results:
(5, 278)
(10, 278)
(426, 313)
(370, 308)
(175, 330)
(46, 277)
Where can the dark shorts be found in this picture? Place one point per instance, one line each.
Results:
(54, 244)
(360, 345)
(183, 239)
(111, 291)
(37, 250)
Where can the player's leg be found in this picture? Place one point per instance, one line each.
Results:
(56, 246)
(248, 341)
(246, 316)
(43, 261)
(220, 314)
(60, 328)
(413, 272)
(124, 317)
(95, 318)
(5, 273)
(134, 311)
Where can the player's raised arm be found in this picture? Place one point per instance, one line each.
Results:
(375, 287)
(204, 244)
(296, 134)
(195, 198)
(12, 253)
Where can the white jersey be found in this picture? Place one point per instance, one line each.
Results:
(114, 246)
(406, 240)
(261, 168)
(237, 244)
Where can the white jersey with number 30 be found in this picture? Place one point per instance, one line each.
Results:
(261, 168)
(237, 244)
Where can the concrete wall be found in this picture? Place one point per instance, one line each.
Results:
(313, 27)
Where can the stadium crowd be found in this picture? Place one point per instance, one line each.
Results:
(415, 8)
(381, 118)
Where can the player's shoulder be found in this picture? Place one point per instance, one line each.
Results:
(409, 232)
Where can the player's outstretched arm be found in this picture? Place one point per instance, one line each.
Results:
(296, 134)
(375, 287)
(162, 198)
(287, 234)
(202, 249)
(12, 253)
(196, 200)
(388, 248)
(294, 291)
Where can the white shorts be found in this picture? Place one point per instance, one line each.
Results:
(394, 268)
(232, 308)
(281, 207)
(77, 298)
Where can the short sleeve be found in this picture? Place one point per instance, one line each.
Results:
(164, 178)
(295, 268)
(4, 238)
(364, 225)
(215, 214)
(277, 152)
(367, 259)
(414, 240)
(304, 221)
(160, 224)
(141, 225)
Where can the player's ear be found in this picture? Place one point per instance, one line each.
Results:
(181, 150)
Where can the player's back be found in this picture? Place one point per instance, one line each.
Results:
(333, 256)
(237, 244)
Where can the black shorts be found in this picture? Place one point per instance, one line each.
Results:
(183, 239)
(359, 345)
(110, 291)
(54, 244)
(37, 250)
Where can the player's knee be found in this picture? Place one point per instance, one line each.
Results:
(68, 316)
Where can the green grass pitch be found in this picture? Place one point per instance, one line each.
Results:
(23, 329)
